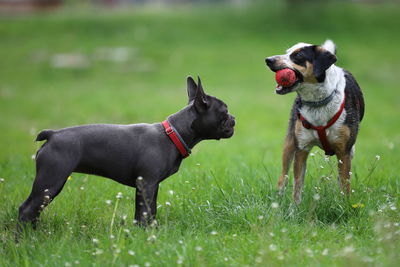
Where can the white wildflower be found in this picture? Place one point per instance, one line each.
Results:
(98, 251)
(179, 261)
(367, 259)
(314, 234)
(348, 237)
(348, 250)
(152, 238)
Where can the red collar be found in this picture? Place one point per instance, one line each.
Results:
(321, 129)
(183, 149)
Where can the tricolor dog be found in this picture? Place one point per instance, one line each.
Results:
(327, 111)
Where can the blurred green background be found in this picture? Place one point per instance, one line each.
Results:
(81, 63)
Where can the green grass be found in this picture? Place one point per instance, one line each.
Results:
(222, 201)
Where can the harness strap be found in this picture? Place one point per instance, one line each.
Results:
(321, 130)
(183, 149)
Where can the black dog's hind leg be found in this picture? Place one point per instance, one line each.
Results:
(52, 171)
(146, 203)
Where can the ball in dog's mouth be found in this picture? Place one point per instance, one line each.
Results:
(286, 79)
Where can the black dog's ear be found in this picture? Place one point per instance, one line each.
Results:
(200, 101)
(323, 59)
(191, 88)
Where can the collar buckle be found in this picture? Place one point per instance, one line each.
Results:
(169, 130)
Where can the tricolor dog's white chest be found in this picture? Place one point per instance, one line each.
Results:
(308, 138)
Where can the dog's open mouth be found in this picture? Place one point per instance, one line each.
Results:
(282, 90)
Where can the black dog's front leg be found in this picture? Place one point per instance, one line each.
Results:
(146, 204)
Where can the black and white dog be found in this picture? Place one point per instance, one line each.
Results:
(327, 111)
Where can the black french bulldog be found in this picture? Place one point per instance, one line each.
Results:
(137, 155)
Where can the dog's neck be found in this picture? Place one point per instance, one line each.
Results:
(317, 92)
(334, 83)
(182, 122)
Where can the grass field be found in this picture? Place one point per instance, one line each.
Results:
(221, 209)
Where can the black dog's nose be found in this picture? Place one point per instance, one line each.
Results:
(269, 61)
(233, 122)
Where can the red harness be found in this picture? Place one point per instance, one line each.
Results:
(183, 149)
(321, 129)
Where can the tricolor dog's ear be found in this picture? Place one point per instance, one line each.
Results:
(323, 59)
(330, 46)
(191, 88)
(200, 100)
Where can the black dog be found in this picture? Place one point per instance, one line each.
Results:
(137, 155)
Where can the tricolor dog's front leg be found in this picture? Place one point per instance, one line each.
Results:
(299, 169)
(287, 158)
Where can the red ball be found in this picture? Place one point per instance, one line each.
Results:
(285, 77)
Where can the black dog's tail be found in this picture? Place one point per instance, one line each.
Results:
(44, 135)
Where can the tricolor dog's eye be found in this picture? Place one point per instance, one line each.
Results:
(297, 57)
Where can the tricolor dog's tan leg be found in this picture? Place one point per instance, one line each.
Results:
(299, 169)
(287, 157)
